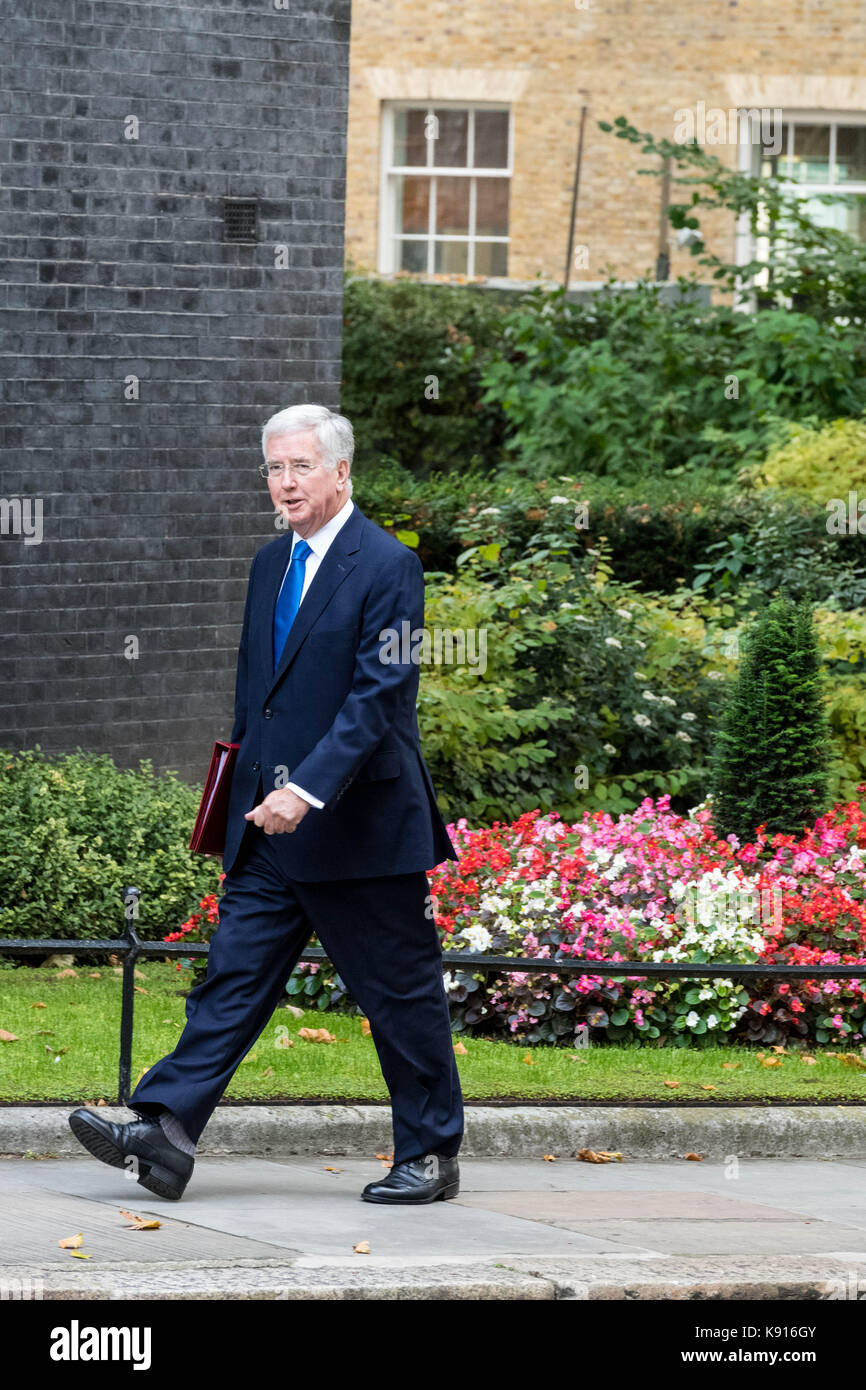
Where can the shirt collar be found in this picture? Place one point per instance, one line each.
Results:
(321, 539)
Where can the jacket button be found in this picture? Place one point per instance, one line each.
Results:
(269, 714)
(257, 767)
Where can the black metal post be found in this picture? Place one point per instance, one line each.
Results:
(131, 898)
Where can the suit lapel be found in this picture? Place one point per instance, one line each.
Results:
(340, 560)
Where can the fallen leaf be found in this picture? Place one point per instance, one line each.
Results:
(850, 1059)
(549, 1158)
(389, 1156)
(96, 974)
(79, 1255)
(102, 1102)
(362, 1248)
(366, 1031)
(772, 1062)
(333, 1170)
(598, 1156)
(777, 1048)
(71, 1242)
(250, 1057)
(316, 1035)
(140, 1223)
(166, 1020)
(697, 1158)
(268, 1071)
(808, 1059)
(760, 1056)
(139, 990)
(8, 1037)
(528, 1059)
(459, 1048)
(39, 1005)
(285, 1041)
(63, 974)
(673, 1084)
(295, 1011)
(731, 1066)
(708, 1088)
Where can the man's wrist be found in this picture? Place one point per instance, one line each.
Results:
(306, 796)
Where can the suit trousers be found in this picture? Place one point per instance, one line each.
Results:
(385, 948)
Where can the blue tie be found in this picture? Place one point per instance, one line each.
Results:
(289, 600)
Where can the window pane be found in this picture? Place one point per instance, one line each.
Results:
(811, 162)
(491, 207)
(451, 257)
(845, 216)
(410, 144)
(450, 145)
(411, 255)
(412, 203)
(452, 206)
(491, 140)
(851, 153)
(491, 258)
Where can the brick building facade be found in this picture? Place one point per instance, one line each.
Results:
(537, 65)
(143, 350)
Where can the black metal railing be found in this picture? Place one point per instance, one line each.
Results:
(130, 947)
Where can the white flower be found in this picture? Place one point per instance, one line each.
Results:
(705, 994)
(712, 1021)
(447, 979)
(648, 695)
(612, 642)
(639, 643)
(642, 721)
(640, 675)
(688, 715)
(666, 700)
(683, 736)
(624, 613)
(566, 500)
(715, 676)
(692, 1019)
(608, 748)
(478, 938)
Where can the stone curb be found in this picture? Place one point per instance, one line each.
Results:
(600, 1279)
(638, 1132)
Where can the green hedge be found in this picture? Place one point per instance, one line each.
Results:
(75, 830)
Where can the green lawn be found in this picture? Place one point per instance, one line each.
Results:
(68, 1051)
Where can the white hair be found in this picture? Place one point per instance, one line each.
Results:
(332, 432)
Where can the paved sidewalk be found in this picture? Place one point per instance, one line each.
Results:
(285, 1228)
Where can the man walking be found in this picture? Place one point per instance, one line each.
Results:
(332, 825)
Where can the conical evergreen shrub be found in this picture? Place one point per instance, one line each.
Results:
(771, 754)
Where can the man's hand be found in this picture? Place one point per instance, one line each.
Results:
(281, 812)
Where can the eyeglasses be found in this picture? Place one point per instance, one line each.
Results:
(273, 470)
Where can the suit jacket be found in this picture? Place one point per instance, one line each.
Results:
(334, 717)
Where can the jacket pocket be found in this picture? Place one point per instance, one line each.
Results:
(380, 767)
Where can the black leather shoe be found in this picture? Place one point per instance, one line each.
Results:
(422, 1179)
(161, 1167)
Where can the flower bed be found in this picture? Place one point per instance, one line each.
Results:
(657, 886)
(650, 885)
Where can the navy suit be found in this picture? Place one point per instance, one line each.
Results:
(340, 722)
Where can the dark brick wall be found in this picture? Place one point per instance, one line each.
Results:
(152, 508)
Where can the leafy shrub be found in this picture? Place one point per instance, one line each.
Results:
(818, 461)
(75, 830)
(398, 337)
(610, 387)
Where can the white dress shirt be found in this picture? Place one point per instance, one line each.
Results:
(318, 543)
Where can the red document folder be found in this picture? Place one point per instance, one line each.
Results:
(209, 835)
